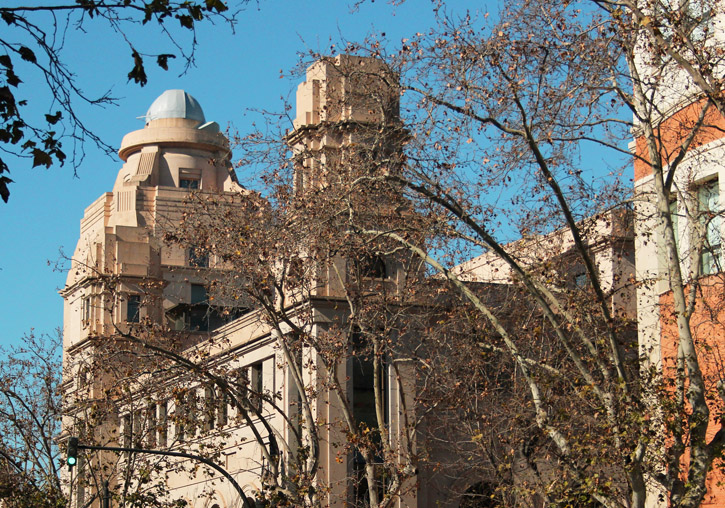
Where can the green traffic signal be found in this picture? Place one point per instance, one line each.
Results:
(72, 452)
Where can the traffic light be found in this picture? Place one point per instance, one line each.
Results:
(72, 452)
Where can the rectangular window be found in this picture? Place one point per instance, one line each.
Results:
(698, 19)
(198, 294)
(209, 408)
(198, 257)
(223, 409)
(127, 422)
(162, 422)
(200, 312)
(180, 417)
(151, 426)
(364, 410)
(256, 385)
(708, 198)
(191, 424)
(133, 304)
(86, 312)
(189, 183)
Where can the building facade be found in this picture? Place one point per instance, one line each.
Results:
(678, 175)
(157, 356)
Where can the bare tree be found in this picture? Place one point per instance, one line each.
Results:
(30, 423)
(502, 115)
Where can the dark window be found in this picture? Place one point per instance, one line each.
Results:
(162, 424)
(256, 378)
(198, 257)
(181, 416)
(482, 495)
(200, 311)
(198, 294)
(189, 183)
(127, 430)
(151, 425)
(373, 267)
(363, 383)
(210, 407)
(581, 281)
(133, 304)
(223, 409)
(185, 414)
(363, 407)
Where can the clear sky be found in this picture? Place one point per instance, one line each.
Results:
(234, 73)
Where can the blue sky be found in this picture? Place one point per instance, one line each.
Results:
(234, 73)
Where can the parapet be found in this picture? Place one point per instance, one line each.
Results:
(347, 88)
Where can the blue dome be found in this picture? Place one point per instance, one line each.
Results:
(175, 104)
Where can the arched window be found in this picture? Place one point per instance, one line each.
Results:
(481, 495)
(372, 267)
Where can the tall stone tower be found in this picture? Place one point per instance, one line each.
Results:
(120, 243)
(347, 134)
(123, 277)
(347, 109)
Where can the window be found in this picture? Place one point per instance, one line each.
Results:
(373, 267)
(198, 294)
(127, 422)
(151, 425)
(199, 312)
(223, 409)
(181, 416)
(256, 382)
(163, 417)
(363, 383)
(581, 280)
(86, 311)
(198, 258)
(190, 178)
(362, 369)
(693, 18)
(133, 304)
(210, 408)
(84, 377)
(697, 19)
(189, 183)
(708, 199)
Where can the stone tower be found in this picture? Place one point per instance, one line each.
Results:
(120, 243)
(347, 134)
(124, 277)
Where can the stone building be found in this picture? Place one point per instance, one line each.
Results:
(159, 357)
(130, 288)
(678, 174)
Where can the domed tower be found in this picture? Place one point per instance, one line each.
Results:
(175, 153)
(124, 277)
(122, 272)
